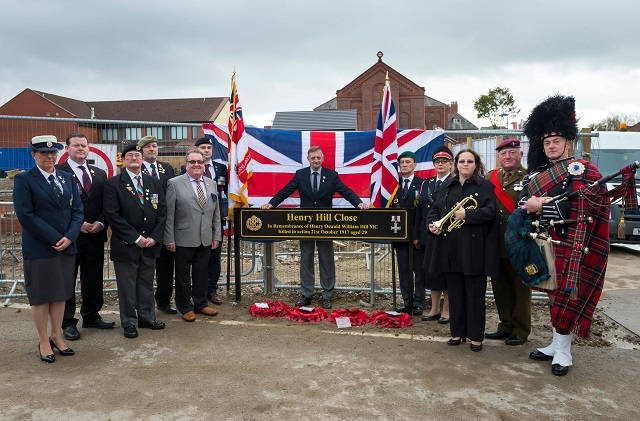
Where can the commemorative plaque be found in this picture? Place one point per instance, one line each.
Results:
(286, 224)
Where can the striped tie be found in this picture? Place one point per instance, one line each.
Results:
(56, 189)
(201, 197)
(86, 180)
(139, 189)
(154, 173)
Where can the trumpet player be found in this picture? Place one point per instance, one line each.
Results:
(466, 246)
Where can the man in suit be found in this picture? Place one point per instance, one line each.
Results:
(191, 232)
(218, 173)
(406, 197)
(316, 186)
(162, 171)
(90, 243)
(135, 208)
(513, 297)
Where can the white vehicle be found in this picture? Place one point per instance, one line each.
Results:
(610, 152)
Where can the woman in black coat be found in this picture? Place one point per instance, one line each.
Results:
(467, 255)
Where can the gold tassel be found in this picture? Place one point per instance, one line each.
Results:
(621, 225)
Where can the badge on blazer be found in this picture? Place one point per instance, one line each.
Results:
(153, 198)
(214, 197)
(221, 180)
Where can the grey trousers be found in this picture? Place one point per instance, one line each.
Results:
(135, 290)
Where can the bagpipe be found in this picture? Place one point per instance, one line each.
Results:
(530, 245)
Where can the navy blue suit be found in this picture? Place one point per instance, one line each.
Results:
(44, 217)
(329, 183)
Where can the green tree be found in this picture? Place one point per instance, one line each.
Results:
(612, 122)
(495, 105)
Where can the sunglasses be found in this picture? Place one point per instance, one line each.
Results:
(196, 161)
(468, 161)
(441, 161)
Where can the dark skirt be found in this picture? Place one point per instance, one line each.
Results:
(435, 282)
(49, 280)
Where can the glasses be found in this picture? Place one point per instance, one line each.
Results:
(441, 161)
(137, 155)
(48, 153)
(468, 161)
(196, 161)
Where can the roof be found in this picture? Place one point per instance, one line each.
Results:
(180, 110)
(430, 102)
(327, 120)
(332, 104)
(461, 123)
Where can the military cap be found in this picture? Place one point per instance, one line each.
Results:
(146, 140)
(46, 143)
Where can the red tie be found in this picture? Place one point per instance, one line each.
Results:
(86, 180)
(206, 170)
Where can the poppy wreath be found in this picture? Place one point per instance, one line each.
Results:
(356, 316)
(276, 309)
(298, 315)
(384, 319)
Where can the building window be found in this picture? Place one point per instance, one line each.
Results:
(155, 131)
(194, 133)
(178, 133)
(133, 133)
(109, 134)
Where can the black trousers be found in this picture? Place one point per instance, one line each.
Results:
(90, 261)
(467, 308)
(191, 277)
(214, 269)
(164, 277)
(411, 284)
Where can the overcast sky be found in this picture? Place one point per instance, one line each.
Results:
(294, 54)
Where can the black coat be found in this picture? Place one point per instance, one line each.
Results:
(92, 204)
(427, 196)
(473, 249)
(129, 219)
(329, 184)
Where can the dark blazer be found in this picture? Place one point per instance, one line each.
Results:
(45, 218)
(129, 219)
(427, 196)
(329, 184)
(474, 248)
(399, 200)
(92, 205)
(165, 170)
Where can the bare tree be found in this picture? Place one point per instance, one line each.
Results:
(612, 122)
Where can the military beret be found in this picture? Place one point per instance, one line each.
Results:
(203, 141)
(407, 154)
(508, 144)
(146, 140)
(46, 143)
(442, 152)
(130, 147)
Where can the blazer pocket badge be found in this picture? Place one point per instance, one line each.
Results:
(153, 198)
(214, 197)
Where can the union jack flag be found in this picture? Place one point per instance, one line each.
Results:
(239, 153)
(277, 154)
(384, 171)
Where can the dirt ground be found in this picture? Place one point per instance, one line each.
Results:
(235, 366)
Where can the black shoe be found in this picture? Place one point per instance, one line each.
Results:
(428, 318)
(130, 332)
(46, 358)
(71, 333)
(476, 348)
(456, 342)
(514, 340)
(498, 334)
(169, 309)
(403, 310)
(67, 351)
(326, 304)
(417, 311)
(443, 320)
(559, 370)
(99, 323)
(540, 356)
(154, 325)
(303, 301)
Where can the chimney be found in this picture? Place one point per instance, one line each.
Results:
(454, 107)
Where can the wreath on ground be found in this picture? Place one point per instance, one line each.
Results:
(384, 319)
(276, 309)
(356, 316)
(298, 314)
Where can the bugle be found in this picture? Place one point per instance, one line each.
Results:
(453, 222)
